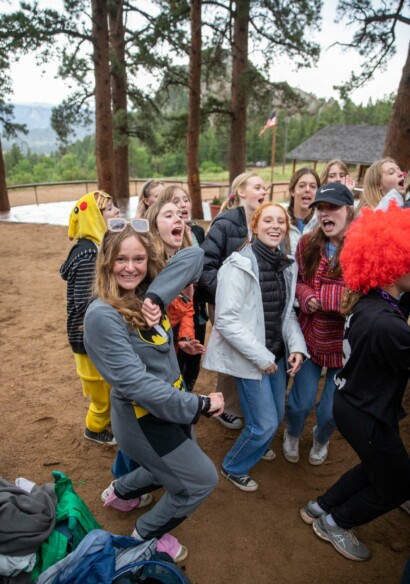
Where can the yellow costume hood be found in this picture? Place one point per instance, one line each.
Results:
(86, 220)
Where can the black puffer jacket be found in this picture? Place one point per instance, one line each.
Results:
(227, 234)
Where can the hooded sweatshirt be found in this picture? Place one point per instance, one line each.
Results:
(86, 224)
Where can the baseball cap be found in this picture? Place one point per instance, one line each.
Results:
(335, 193)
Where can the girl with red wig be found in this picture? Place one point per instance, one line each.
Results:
(367, 406)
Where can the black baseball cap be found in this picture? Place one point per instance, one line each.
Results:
(335, 193)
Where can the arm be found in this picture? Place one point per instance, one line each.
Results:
(331, 297)
(214, 248)
(304, 293)
(183, 268)
(108, 343)
(233, 287)
(84, 275)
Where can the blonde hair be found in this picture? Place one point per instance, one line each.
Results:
(152, 216)
(238, 184)
(372, 193)
(324, 177)
(106, 286)
(142, 207)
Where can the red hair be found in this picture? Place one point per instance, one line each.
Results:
(376, 250)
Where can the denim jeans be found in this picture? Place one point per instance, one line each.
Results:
(302, 398)
(263, 407)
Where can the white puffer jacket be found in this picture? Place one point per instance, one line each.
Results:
(237, 343)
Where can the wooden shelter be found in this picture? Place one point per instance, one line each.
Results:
(360, 145)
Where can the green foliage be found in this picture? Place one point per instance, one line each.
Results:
(154, 157)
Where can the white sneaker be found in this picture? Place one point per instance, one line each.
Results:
(290, 447)
(318, 453)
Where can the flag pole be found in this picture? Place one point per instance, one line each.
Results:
(272, 164)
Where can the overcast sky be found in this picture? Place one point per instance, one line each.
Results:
(30, 85)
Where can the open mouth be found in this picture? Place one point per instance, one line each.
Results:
(261, 200)
(184, 213)
(177, 231)
(327, 224)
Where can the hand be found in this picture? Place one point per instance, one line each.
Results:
(313, 305)
(295, 361)
(217, 403)
(192, 347)
(349, 182)
(151, 312)
(188, 291)
(271, 369)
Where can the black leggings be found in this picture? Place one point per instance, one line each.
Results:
(381, 482)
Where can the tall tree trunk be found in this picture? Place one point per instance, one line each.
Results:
(102, 95)
(119, 98)
(4, 197)
(398, 131)
(194, 111)
(239, 93)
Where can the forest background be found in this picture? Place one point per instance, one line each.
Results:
(172, 85)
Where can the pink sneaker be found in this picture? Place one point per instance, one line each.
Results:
(169, 544)
(110, 499)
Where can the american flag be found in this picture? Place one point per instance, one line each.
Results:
(270, 122)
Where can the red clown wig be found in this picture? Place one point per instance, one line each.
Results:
(376, 250)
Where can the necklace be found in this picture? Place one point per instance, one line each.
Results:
(392, 301)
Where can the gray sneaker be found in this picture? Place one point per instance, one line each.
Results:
(406, 507)
(309, 513)
(290, 447)
(318, 453)
(343, 540)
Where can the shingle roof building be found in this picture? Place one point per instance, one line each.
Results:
(359, 144)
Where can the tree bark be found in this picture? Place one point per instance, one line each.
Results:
(102, 95)
(398, 131)
(119, 99)
(194, 111)
(4, 197)
(239, 94)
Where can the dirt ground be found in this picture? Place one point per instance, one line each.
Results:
(235, 537)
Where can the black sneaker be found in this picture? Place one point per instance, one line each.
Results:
(105, 437)
(242, 482)
(230, 421)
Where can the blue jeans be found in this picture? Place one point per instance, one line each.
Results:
(302, 398)
(263, 407)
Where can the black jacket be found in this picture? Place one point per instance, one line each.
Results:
(227, 234)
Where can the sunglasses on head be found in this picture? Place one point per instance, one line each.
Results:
(117, 224)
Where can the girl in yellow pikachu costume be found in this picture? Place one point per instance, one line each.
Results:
(87, 224)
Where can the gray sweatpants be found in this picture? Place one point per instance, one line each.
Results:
(169, 458)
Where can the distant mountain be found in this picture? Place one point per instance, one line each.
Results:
(41, 138)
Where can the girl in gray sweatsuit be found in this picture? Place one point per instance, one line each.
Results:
(151, 414)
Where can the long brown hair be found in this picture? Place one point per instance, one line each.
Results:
(292, 185)
(105, 283)
(324, 177)
(147, 187)
(315, 244)
(349, 300)
(152, 216)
